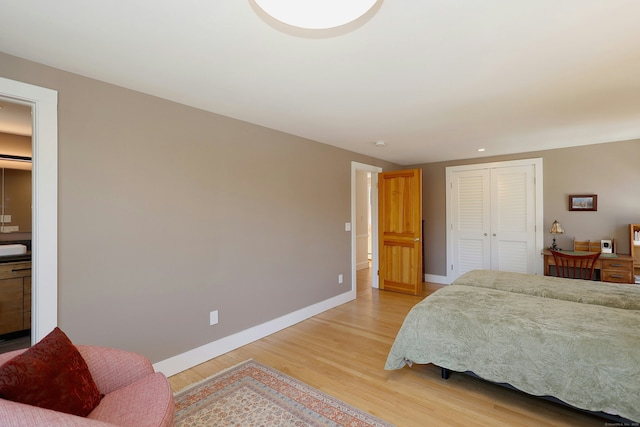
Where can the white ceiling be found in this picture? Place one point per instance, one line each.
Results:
(434, 79)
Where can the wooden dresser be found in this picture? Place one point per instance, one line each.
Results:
(618, 270)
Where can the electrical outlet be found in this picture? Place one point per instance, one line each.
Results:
(340, 279)
(213, 317)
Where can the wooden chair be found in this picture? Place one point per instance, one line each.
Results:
(575, 266)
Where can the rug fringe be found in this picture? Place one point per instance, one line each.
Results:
(196, 384)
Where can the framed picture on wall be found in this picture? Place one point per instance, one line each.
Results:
(583, 202)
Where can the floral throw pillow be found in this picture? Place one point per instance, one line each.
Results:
(52, 374)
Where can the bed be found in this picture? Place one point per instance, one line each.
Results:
(574, 340)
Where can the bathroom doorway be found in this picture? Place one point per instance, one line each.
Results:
(16, 200)
(43, 104)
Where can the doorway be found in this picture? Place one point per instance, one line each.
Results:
(364, 211)
(44, 243)
(15, 225)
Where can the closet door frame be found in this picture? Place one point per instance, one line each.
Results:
(539, 209)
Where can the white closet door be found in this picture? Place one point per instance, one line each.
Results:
(471, 220)
(513, 222)
(494, 213)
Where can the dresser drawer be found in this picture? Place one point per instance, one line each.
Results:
(15, 269)
(617, 270)
(617, 276)
(616, 264)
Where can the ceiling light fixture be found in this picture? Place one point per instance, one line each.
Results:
(481, 150)
(15, 158)
(316, 14)
(380, 143)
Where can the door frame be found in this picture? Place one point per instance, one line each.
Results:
(44, 237)
(375, 170)
(539, 208)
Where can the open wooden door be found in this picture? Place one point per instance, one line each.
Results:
(400, 231)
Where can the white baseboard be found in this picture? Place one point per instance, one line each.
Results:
(201, 354)
(362, 265)
(432, 278)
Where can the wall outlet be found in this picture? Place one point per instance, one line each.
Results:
(213, 317)
(340, 279)
(5, 219)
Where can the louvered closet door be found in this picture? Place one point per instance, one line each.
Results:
(471, 220)
(513, 224)
(493, 220)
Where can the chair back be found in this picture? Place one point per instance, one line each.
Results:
(575, 266)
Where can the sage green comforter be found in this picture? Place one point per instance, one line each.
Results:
(575, 340)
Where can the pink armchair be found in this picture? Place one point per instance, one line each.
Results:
(134, 395)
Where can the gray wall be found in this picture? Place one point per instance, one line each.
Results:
(167, 212)
(612, 171)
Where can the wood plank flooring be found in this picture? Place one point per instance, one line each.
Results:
(343, 351)
(15, 341)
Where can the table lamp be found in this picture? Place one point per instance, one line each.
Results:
(556, 228)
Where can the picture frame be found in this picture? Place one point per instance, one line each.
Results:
(583, 202)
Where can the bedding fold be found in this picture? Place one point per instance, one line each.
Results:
(583, 291)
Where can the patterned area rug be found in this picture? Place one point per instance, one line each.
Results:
(251, 394)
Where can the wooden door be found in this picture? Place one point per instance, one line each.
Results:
(400, 231)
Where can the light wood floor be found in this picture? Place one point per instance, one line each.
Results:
(342, 352)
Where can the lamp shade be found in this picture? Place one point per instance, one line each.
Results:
(556, 228)
(316, 14)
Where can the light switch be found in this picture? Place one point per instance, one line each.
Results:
(213, 317)
(347, 226)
